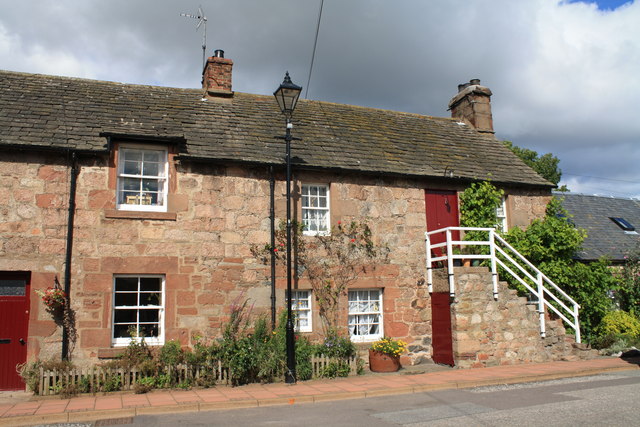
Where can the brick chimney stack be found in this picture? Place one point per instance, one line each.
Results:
(472, 105)
(216, 76)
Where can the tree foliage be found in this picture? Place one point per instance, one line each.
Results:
(550, 244)
(478, 205)
(628, 296)
(331, 262)
(546, 165)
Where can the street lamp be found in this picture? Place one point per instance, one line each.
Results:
(287, 96)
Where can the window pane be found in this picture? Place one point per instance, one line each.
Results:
(152, 156)
(126, 284)
(122, 331)
(125, 316)
(131, 184)
(132, 168)
(150, 184)
(151, 169)
(149, 199)
(149, 330)
(128, 299)
(132, 154)
(305, 201)
(147, 315)
(322, 191)
(149, 299)
(13, 287)
(150, 284)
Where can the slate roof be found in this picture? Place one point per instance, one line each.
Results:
(604, 237)
(53, 112)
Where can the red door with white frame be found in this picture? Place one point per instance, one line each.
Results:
(14, 327)
(442, 212)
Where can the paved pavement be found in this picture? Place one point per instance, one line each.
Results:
(23, 409)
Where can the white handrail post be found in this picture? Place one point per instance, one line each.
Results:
(543, 329)
(452, 288)
(576, 307)
(494, 269)
(429, 266)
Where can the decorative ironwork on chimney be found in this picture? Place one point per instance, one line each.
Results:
(216, 76)
(472, 105)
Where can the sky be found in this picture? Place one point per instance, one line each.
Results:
(565, 75)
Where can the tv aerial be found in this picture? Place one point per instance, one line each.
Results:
(201, 20)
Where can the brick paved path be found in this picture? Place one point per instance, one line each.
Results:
(115, 405)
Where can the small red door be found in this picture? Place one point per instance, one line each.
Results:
(14, 327)
(441, 340)
(442, 211)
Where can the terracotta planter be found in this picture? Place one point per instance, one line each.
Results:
(381, 362)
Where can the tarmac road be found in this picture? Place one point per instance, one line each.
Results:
(611, 399)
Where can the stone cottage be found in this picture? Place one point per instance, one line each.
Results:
(143, 202)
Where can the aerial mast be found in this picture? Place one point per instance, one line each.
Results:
(201, 20)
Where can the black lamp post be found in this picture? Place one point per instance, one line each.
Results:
(287, 96)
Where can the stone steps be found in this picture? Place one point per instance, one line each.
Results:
(490, 332)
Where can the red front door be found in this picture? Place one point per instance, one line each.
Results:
(442, 211)
(441, 339)
(14, 327)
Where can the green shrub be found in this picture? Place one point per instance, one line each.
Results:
(335, 369)
(144, 385)
(336, 346)
(619, 323)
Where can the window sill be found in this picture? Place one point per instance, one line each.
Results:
(163, 216)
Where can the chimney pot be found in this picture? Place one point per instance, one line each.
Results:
(218, 53)
(475, 82)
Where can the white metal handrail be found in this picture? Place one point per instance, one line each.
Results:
(548, 294)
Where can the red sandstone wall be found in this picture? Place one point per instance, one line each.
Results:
(202, 245)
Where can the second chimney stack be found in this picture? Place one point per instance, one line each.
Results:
(216, 76)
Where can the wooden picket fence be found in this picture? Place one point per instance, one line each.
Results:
(99, 378)
(319, 363)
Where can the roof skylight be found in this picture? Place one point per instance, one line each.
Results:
(622, 223)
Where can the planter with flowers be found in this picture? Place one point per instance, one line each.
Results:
(384, 355)
(54, 300)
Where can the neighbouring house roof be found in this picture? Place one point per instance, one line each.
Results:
(41, 111)
(604, 236)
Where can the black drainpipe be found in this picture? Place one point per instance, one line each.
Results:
(69, 251)
(272, 217)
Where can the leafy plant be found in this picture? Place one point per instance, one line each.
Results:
(337, 346)
(53, 298)
(144, 385)
(335, 369)
(550, 244)
(619, 322)
(389, 346)
(331, 262)
(628, 295)
(478, 205)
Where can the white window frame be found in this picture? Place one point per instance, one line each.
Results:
(501, 215)
(305, 195)
(120, 341)
(163, 179)
(355, 312)
(297, 297)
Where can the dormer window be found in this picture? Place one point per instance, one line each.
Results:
(142, 178)
(623, 224)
